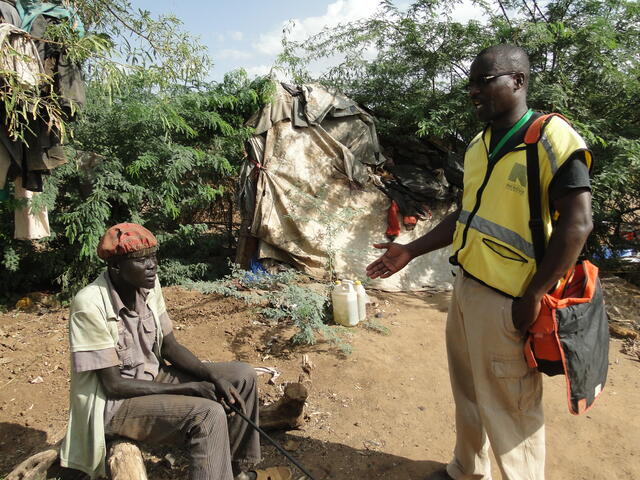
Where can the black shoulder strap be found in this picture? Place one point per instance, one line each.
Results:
(533, 183)
(535, 204)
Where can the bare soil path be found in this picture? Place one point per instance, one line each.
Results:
(383, 412)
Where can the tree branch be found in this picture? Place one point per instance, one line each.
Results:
(537, 7)
(531, 12)
(504, 13)
(128, 26)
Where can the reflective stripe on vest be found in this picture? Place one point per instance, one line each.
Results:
(550, 155)
(497, 248)
(499, 232)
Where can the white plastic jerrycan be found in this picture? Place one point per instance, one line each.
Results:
(345, 304)
(363, 299)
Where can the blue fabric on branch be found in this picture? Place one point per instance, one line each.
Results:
(30, 9)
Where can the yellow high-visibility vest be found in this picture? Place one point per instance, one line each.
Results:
(492, 241)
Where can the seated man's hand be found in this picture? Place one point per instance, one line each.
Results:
(204, 390)
(228, 395)
(221, 391)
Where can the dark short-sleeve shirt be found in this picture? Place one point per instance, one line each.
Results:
(573, 174)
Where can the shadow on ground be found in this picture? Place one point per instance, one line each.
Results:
(19, 442)
(335, 461)
(324, 460)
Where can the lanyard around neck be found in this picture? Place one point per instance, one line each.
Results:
(510, 133)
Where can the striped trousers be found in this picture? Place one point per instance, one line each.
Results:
(214, 440)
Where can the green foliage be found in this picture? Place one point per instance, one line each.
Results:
(281, 297)
(584, 61)
(167, 160)
(376, 326)
(121, 41)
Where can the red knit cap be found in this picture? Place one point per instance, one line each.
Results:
(127, 239)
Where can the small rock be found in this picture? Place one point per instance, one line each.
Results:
(421, 408)
(372, 444)
(291, 445)
(38, 379)
(378, 315)
(25, 304)
(169, 459)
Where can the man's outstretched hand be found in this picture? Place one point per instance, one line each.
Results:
(394, 259)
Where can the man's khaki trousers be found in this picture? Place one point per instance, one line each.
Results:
(497, 396)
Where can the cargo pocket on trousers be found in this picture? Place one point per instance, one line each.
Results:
(519, 385)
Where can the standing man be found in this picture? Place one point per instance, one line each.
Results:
(121, 336)
(498, 287)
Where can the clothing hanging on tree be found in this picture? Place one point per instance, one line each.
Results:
(27, 160)
(9, 14)
(30, 224)
(5, 163)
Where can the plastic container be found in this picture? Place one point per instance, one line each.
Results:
(363, 299)
(345, 304)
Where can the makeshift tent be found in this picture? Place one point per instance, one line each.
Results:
(310, 195)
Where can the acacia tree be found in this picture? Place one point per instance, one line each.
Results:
(119, 41)
(585, 61)
(155, 144)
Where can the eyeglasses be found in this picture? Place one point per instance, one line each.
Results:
(484, 80)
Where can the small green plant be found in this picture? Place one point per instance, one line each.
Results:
(376, 327)
(281, 297)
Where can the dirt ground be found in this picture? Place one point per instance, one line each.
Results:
(385, 411)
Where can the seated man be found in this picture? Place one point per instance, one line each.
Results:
(121, 336)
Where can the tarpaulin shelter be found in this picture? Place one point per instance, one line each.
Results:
(309, 196)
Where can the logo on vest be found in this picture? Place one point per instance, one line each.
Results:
(517, 181)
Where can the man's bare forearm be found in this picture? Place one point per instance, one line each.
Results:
(117, 387)
(438, 237)
(565, 244)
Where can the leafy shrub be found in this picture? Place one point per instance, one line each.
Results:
(166, 160)
(282, 297)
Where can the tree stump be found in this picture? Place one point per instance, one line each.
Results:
(288, 412)
(125, 461)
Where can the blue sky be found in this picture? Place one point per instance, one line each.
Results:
(247, 33)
